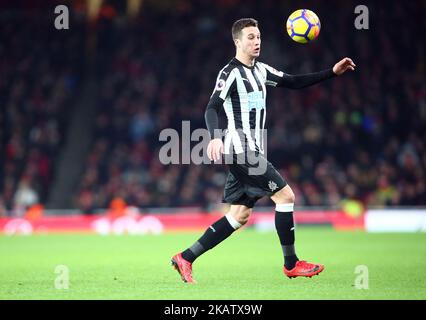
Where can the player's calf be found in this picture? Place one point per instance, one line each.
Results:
(240, 213)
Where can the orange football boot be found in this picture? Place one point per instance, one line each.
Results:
(303, 269)
(183, 267)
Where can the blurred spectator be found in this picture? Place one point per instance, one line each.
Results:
(117, 208)
(34, 212)
(3, 209)
(25, 197)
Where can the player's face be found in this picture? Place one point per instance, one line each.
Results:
(250, 41)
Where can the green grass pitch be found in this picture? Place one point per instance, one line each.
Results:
(248, 265)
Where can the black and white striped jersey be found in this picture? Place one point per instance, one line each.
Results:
(241, 90)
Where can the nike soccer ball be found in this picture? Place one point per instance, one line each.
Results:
(303, 25)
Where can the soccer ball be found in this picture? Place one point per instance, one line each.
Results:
(303, 25)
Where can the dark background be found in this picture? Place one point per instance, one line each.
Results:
(82, 109)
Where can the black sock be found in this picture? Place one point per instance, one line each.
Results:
(215, 234)
(284, 224)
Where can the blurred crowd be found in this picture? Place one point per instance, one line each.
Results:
(357, 137)
(39, 75)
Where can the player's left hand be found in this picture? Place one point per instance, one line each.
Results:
(343, 65)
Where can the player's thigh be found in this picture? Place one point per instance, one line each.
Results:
(285, 195)
(259, 173)
(240, 212)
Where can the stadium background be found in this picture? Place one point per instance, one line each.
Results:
(82, 109)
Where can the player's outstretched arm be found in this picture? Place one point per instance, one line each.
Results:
(298, 81)
(343, 65)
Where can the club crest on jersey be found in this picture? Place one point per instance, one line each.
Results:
(220, 85)
(272, 185)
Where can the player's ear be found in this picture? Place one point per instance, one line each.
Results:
(237, 42)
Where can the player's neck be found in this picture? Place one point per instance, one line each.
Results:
(247, 60)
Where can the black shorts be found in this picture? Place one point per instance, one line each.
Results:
(250, 178)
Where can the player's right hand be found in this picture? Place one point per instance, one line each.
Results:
(343, 65)
(215, 149)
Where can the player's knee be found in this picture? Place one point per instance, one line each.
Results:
(242, 215)
(285, 195)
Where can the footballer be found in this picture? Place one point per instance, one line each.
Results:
(241, 91)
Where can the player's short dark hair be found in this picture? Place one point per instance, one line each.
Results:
(241, 24)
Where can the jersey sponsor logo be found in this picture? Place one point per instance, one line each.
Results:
(220, 85)
(255, 100)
